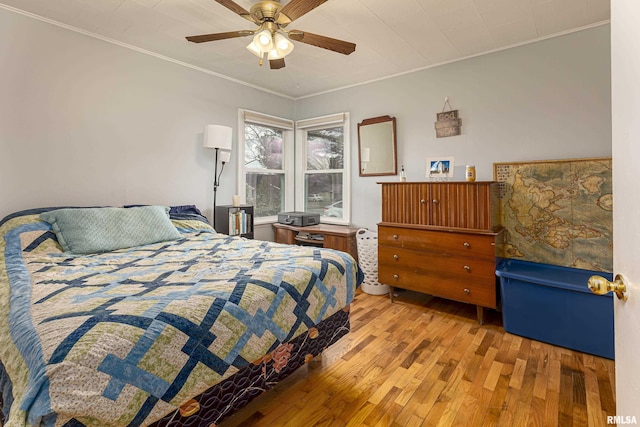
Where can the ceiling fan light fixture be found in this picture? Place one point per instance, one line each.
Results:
(251, 47)
(282, 44)
(282, 47)
(274, 54)
(263, 40)
(270, 40)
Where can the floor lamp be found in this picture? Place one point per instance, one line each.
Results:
(219, 138)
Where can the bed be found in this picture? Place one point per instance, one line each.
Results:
(182, 331)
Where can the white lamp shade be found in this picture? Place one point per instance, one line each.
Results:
(254, 49)
(274, 54)
(277, 54)
(263, 40)
(225, 156)
(217, 136)
(282, 45)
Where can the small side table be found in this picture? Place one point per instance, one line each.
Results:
(340, 237)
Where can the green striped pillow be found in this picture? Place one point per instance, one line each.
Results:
(95, 230)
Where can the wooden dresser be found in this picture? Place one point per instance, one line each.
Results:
(442, 239)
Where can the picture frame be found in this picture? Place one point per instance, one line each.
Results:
(439, 167)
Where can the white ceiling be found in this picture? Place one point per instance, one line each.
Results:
(392, 36)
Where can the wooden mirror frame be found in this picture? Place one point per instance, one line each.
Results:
(383, 144)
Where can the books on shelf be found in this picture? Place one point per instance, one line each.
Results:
(239, 222)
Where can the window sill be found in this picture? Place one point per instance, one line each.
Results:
(265, 220)
(336, 221)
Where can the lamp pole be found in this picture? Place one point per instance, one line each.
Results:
(215, 186)
(216, 180)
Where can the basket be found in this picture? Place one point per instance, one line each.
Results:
(367, 242)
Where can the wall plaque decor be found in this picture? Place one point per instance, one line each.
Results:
(447, 122)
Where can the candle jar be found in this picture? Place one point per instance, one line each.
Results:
(470, 173)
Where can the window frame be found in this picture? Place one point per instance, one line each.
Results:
(288, 158)
(301, 129)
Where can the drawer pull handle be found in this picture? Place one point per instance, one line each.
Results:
(466, 245)
(435, 201)
(395, 257)
(423, 201)
(395, 276)
(467, 291)
(466, 267)
(395, 237)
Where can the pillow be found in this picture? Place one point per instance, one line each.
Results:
(183, 212)
(94, 230)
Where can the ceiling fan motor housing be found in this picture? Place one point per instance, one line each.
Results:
(268, 11)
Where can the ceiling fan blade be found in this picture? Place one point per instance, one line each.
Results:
(219, 36)
(236, 8)
(296, 8)
(324, 42)
(276, 64)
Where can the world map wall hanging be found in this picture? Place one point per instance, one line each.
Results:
(558, 212)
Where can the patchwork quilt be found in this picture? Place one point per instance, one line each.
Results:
(125, 337)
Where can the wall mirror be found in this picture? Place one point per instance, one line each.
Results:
(377, 146)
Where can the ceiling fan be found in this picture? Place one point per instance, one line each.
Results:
(271, 40)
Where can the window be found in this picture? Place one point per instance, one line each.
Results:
(266, 175)
(323, 161)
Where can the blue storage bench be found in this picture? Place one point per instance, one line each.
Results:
(553, 304)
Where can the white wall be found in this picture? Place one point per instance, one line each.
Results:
(546, 100)
(86, 122)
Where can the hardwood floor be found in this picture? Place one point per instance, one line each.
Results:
(425, 361)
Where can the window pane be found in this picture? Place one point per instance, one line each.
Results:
(324, 194)
(325, 149)
(265, 191)
(263, 147)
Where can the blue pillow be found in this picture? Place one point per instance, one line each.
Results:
(95, 230)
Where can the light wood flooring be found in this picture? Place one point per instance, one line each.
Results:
(425, 361)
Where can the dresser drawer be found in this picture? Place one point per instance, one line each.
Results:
(462, 279)
(436, 266)
(475, 245)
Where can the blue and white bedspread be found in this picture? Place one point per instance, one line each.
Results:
(125, 337)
